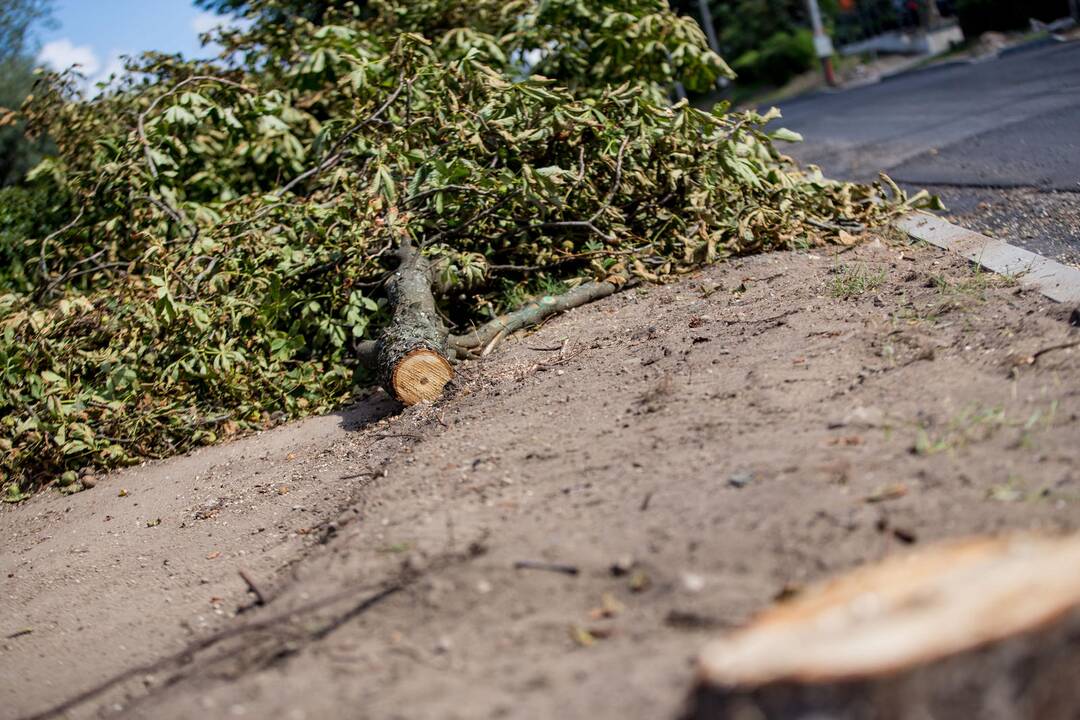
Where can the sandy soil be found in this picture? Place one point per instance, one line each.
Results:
(690, 451)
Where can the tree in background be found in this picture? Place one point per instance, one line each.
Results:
(314, 11)
(18, 19)
(768, 41)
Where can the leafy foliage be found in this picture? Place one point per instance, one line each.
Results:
(224, 228)
(767, 41)
(780, 57)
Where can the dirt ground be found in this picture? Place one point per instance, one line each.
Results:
(683, 454)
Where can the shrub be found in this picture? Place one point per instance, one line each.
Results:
(781, 57)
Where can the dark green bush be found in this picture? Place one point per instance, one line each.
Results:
(781, 57)
(25, 211)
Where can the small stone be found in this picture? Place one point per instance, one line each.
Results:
(414, 563)
(859, 416)
(623, 565)
(640, 581)
(89, 481)
(741, 479)
(692, 582)
(483, 587)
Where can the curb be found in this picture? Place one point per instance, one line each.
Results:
(1051, 278)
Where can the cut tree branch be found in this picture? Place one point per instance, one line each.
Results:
(532, 314)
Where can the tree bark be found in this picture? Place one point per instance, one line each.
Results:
(412, 351)
(975, 629)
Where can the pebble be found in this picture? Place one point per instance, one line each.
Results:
(623, 565)
(692, 582)
(741, 479)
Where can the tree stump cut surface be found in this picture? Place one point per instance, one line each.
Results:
(420, 375)
(984, 628)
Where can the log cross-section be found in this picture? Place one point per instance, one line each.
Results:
(412, 352)
(982, 628)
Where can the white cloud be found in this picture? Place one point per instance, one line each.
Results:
(62, 54)
(114, 65)
(205, 22)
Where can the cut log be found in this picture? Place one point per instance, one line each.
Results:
(984, 628)
(412, 356)
(412, 351)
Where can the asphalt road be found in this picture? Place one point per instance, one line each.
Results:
(997, 140)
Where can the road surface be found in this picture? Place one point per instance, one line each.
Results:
(998, 140)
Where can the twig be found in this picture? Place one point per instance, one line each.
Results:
(575, 224)
(456, 230)
(615, 183)
(533, 313)
(209, 641)
(43, 267)
(563, 358)
(548, 349)
(444, 188)
(645, 502)
(853, 227)
(546, 566)
(366, 473)
(260, 599)
(382, 591)
(70, 275)
(333, 155)
(206, 271)
(175, 214)
(1063, 346)
(494, 341)
(781, 316)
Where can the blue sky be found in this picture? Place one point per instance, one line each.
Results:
(95, 33)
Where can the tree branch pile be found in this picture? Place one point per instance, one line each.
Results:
(220, 236)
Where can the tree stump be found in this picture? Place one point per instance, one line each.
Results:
(982, 628)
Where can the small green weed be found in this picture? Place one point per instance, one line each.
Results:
(974, 424)
(974, 285)
(854, 280)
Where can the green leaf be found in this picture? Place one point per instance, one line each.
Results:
(785, 135)
(179, 115)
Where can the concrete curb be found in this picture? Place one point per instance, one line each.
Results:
(1051, 278)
